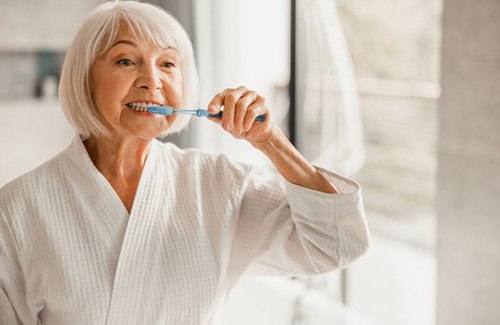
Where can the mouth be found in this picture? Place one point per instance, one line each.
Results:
(141, 106)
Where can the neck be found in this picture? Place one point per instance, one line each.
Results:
(121, 162)
(118, 158)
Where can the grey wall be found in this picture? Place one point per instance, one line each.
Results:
(41, 25)
(468, 202)
(34, 36)
(182, 10)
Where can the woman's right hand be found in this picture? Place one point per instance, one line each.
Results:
(241, 107)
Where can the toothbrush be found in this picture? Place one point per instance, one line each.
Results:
(167, 110)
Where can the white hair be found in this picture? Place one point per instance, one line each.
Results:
(95, 37)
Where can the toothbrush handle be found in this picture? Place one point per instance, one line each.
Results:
(259, 118)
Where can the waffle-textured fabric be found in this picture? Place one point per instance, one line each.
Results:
(70, 253)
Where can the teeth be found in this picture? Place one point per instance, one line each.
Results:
(140, 107)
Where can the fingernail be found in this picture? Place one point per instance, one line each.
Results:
(212, 108)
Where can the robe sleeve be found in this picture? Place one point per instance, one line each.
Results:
(14, 308)
(284, 229)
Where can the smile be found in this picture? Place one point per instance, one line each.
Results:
(140, 107)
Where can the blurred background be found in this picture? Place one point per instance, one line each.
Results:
(402, 96)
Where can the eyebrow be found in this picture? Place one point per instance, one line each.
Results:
(123, 42)
(128, 42)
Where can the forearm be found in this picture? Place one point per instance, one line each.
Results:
(291, 164)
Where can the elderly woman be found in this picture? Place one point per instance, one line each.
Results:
(120, 228)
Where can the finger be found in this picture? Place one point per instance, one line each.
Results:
(258, 107)
(215, 119)
(230, 100)
(241, 110)
(217, 101)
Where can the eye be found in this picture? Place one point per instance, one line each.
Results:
(168, 64)
(125, 62)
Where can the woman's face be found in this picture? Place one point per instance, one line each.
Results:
(132, 72)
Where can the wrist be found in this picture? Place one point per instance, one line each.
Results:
(266, 141)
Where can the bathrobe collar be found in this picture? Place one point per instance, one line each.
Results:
(131, 271)
(79, 156)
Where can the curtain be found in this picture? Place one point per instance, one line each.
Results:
(328, 116)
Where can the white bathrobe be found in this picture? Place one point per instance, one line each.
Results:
(70, 253)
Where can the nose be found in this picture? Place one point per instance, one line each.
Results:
(149, 77)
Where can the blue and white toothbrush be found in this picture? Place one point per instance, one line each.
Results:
(167, 110)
